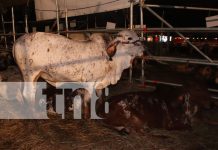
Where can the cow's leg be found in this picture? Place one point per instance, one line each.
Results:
(29, 89)
(86, 109)
(110, 78)
(50, 109)
(86, 103)
(85, 97)
(48, 79)
(100, 104)
(99, 92)
(29, 92)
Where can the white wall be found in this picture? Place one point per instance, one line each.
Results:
(77, 7)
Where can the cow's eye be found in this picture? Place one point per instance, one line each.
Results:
(129, 38)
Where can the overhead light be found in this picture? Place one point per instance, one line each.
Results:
(150, 39)
(163, 38)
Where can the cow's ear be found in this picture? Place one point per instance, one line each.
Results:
(111, 49)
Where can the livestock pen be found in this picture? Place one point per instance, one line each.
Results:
(165, 101)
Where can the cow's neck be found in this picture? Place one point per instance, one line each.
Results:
(122, 60)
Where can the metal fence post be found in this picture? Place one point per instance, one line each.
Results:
(180, 34)
(57, 17)
(142, 36)
(131, 27)
(3, 28)
(66, 17)
(26, 23)
(13, 23)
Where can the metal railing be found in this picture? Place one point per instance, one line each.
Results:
(141, 30)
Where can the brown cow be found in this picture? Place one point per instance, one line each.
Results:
(166, 107)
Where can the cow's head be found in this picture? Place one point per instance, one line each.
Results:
(126, 42)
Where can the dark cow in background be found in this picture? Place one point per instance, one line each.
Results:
(167, 107)
(194, 79)
(208, 73)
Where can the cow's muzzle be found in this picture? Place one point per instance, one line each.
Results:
(136, 42)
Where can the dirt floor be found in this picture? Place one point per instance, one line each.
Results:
(80, 134)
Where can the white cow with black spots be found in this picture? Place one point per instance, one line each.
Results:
(56, 58)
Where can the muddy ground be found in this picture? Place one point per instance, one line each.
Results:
(92, 134)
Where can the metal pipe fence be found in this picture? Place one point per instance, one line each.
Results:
(142, 36)
(182, 7)
(181, 35)
(66, 17)
(183, 60)
(13, 23)
(131, 28)
(57, 17)
(3, 28)
(141, 30)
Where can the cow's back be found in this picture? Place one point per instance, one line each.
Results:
(62, 59)
(41, 45)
